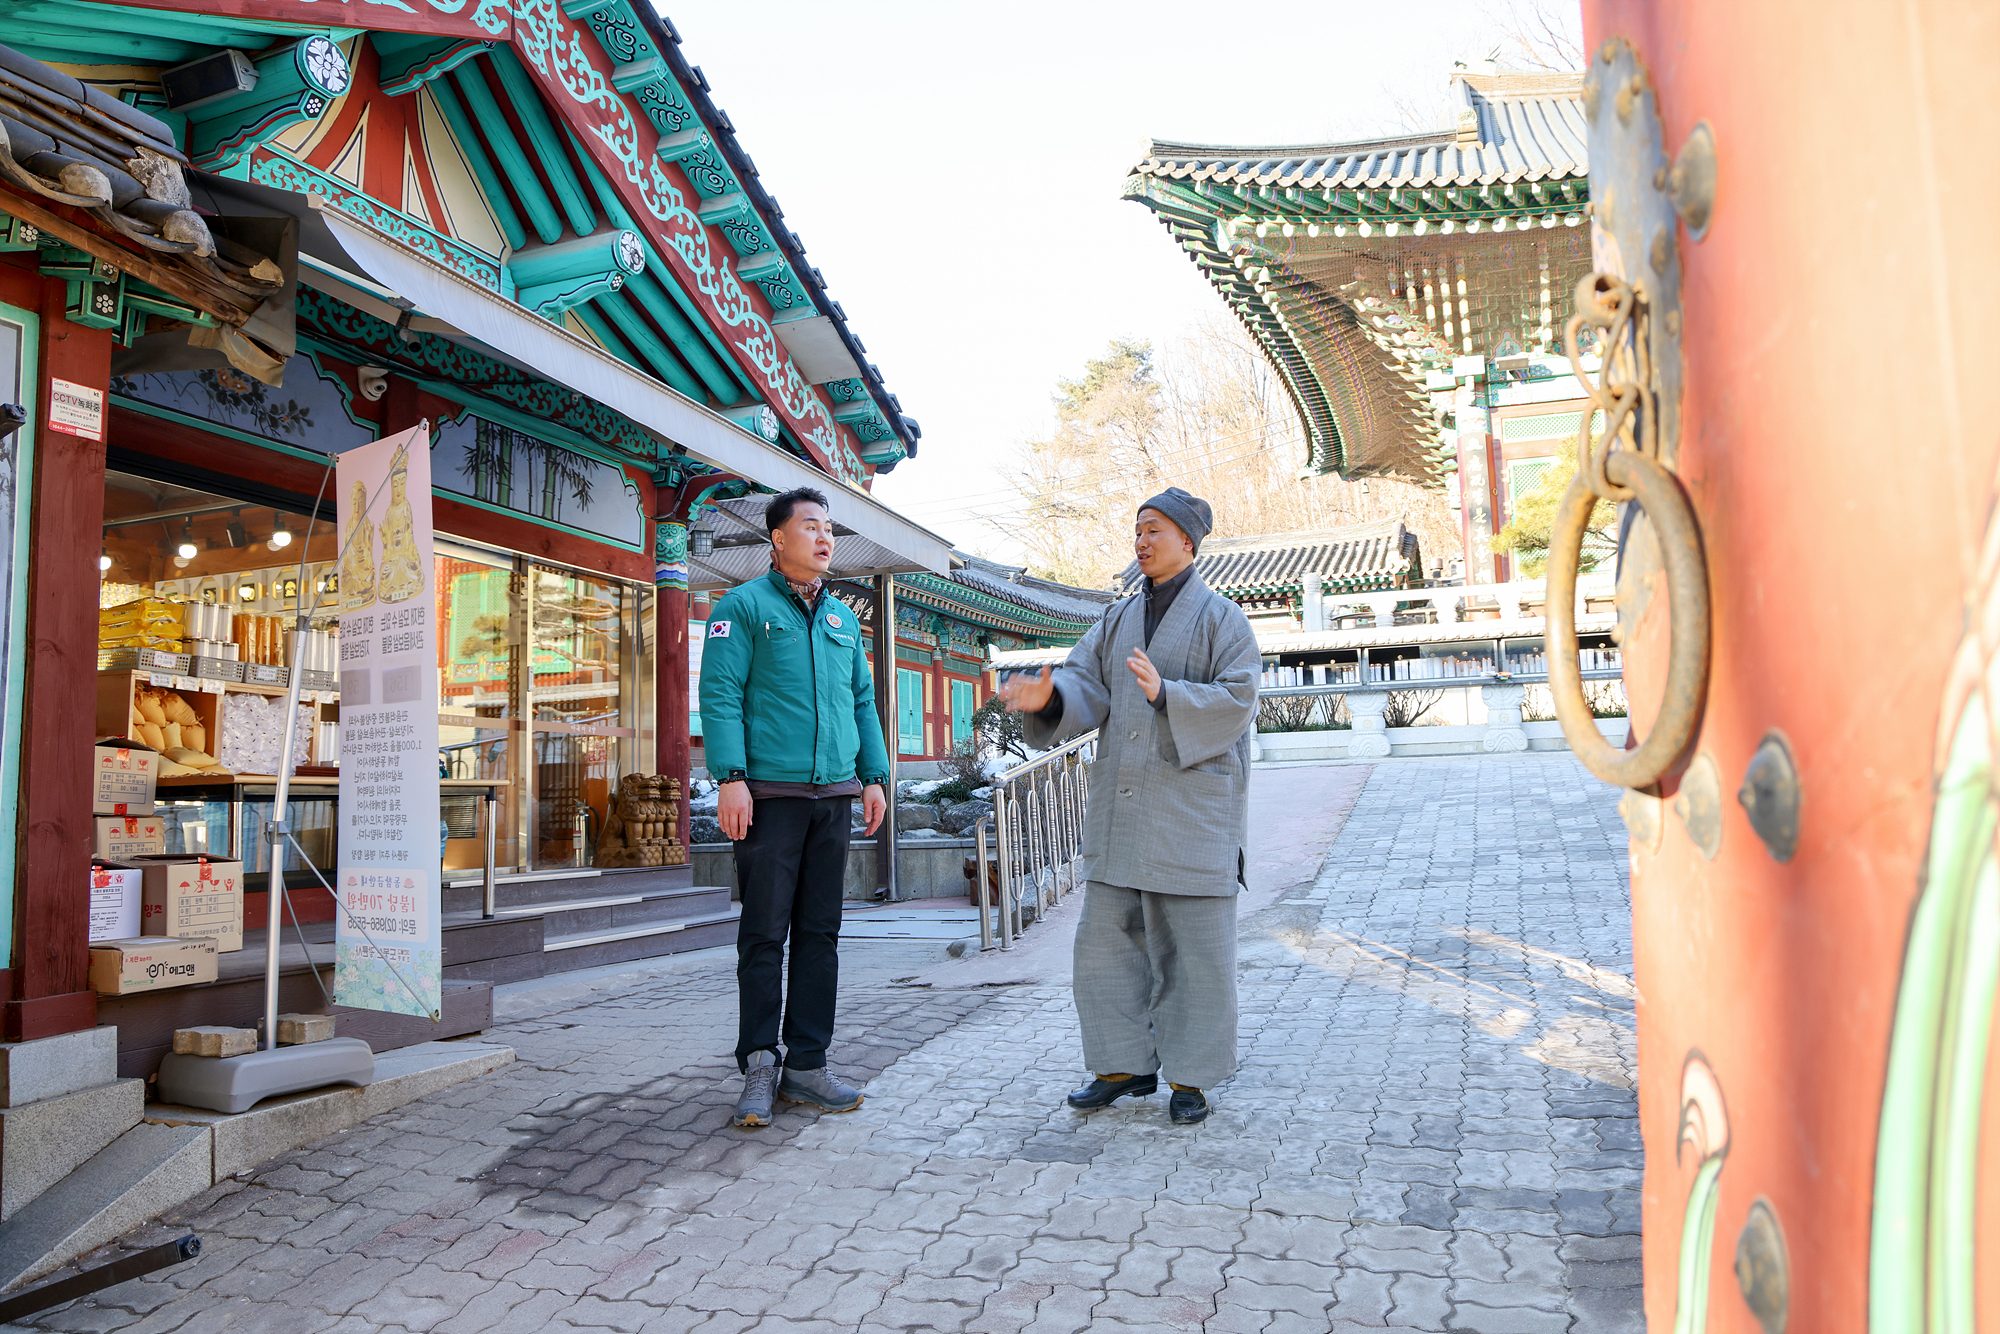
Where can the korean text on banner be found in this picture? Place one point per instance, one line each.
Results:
(388, 954)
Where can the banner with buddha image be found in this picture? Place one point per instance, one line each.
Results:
(387, 946)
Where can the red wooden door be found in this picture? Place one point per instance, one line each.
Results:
(1820, 1107)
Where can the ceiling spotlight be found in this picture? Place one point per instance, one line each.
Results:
(281, 536)
(238, 535)
(187, 548)
(103, 559)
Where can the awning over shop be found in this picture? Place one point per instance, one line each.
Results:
(874, 538)
(742, 551)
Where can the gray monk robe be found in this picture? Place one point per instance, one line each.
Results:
(1163, 833)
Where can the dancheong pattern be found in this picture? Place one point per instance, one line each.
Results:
(556, 49)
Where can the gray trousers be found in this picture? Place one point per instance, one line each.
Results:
(1156, 984)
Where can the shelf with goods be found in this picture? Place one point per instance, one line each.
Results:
(222, 710)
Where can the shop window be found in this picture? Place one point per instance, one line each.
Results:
(545, 680)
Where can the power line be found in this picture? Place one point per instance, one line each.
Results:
(971, 503)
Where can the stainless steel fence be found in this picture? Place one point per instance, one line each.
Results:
(1037, 822)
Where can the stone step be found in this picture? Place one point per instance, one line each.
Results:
(463, 894)
(632, 910)
(127, 1183)
(49, 1067)
(589, 949)
(42, 1141)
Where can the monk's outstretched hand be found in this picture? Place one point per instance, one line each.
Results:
(1149, 675)
(1023, 693)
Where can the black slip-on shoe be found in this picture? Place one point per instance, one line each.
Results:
(1187, 1107)
(1103, 1092)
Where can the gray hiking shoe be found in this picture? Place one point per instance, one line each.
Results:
(819, 1087)
(753, 1109)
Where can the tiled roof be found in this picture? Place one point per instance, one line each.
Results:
(1371, 554)
(1511, 127)
(1333, 256)
(1013, 584)
(70, 143)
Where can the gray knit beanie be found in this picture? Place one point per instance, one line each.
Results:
(1190, 514)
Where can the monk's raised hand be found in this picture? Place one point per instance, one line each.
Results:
(1149, 675)
(1027, 694)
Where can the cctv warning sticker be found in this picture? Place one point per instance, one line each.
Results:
(718, 629)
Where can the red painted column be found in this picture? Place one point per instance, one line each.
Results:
(670, 668)
(51, 973)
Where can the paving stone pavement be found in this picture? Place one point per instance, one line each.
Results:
(1433, 1129)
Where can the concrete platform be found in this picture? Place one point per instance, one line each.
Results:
(176, 1153)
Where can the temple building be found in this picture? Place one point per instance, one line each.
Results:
(236, 247)
(1290, 581)
(1409, 292)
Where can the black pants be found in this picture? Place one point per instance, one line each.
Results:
(790, 869)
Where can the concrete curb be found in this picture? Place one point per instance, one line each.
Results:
(279, 1125)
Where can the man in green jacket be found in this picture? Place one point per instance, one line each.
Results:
(788, 722)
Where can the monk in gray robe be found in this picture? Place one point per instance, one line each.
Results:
(1169, 679)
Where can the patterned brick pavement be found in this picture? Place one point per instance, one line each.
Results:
(1433, 1129)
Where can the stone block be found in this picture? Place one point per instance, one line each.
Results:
(133, 1180)
(279, 1125)
(212, 1040)
(294, 1029)
(42, 1142)
(51, 1067)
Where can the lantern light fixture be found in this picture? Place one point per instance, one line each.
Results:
(701, 535)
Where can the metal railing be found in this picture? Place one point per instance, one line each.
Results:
(1037, 820)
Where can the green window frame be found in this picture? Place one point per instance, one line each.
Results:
(909, 712)
(964, 703)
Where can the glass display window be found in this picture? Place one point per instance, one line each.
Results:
(546, 675)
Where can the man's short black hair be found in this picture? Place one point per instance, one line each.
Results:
(780, 509)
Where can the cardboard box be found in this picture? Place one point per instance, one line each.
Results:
(115, 902)
(193, 898)
(123, 777)
(149, 963)
(130, 836)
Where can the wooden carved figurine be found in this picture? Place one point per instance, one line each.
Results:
(641, 827)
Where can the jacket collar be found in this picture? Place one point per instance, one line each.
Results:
(784, 586)
(1180, 612)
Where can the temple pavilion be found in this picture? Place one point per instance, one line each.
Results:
(1409, 292)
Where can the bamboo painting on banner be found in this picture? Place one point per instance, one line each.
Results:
(387, 949)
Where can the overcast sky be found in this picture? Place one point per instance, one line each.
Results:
(954, 170)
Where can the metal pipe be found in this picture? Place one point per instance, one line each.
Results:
(488, 890)
(276, 828)
(885, 701)
(1001, 814)
(1032, 813)
(981, 892)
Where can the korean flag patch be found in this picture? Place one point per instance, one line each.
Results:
(718, 629)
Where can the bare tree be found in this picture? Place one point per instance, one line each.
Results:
(1208, 415)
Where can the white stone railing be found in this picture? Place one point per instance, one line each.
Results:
(1451, 605)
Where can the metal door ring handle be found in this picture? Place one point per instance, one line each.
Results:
(1656, 491)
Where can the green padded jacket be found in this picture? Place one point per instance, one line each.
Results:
(784, 701)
